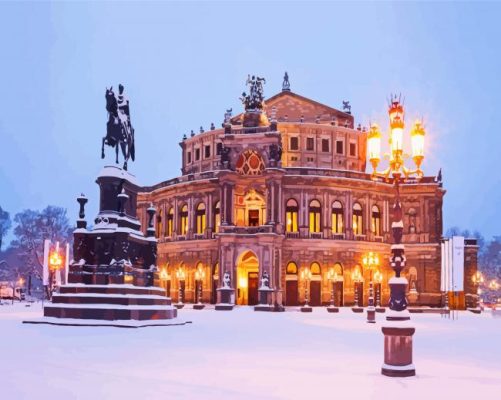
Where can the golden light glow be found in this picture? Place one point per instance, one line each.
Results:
(180, 274)
(417, 142)
(242, 282)
(477, 278)
(55, 260)
(378, 277)
(306, 274)
(374, 145)
(164, 274)
(199, 273)
(356, 276)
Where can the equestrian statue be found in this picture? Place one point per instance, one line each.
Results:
(119, 131)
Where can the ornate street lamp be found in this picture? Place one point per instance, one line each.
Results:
(332, 277)
(180, 275)
(356, 277)
(199, 277)
(55, 264)
(164, 277)
(306, 277)
(477, 280)
(397, 363)
(371, 261)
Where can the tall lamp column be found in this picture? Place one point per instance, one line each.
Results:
(397, 333)
(199, 278)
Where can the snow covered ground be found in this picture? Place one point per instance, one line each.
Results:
(244, 354)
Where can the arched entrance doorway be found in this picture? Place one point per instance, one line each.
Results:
(316, 285)
(247, 278)
(291, 286)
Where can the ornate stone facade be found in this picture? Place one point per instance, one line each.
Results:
(290, 194)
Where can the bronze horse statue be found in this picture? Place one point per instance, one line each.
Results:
(119, 131)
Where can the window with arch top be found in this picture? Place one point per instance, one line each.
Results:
(357, 219)
(200, 219)
(376, 220)
(315, 212)
(183, 220)
(159, 231)
(337, 217)
(315, 268)
(291, 268)
(169, 226)
(217, 216)
(291, 213)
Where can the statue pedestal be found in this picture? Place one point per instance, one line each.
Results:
(371, 315)
(264, 299)
(398, 351)
(227, 299)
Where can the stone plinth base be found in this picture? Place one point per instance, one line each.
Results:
(332, 309)
(398, 351)
(357, 309)
(371, 315)
(263, 307)
(179, 305)
(380, 309)
(224, 307)
(306, 309)
(112, 302)
(198, 306)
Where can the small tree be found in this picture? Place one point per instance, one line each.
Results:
(5, 224)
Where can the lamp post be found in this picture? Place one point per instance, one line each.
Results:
(180, 275)
(55, 263)
(356, 277)
(199, 277)
(398, 338)
(371, 261)
(306, 276)
(378, 279)
(477, 279)
(164, 277)
(332, 276)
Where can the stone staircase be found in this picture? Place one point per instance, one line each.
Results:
(112, 302)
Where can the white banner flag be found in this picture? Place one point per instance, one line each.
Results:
(46, 251)
(457, 263)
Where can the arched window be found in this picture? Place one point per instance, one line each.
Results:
(291, 268)
(200, 219)
(357, 219)
(291, 212)
(376, 221)
(217, 216)
(169, 226)
(338, 271)
(315, 213)
(337, 217)
(183, 220)
(315, 268)
(158, 231)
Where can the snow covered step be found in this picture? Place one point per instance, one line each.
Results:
(124, 289)
(110, 312)
(118, 299)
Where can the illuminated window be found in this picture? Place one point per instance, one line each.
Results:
(376, 221)
(158, 231)
(337, 217)
(217, 216)
(357, 219)
(169, 227)
(291, 268)
(315, 213)
(291, 212)
(183, 220)
(200, 217)
(315, 268)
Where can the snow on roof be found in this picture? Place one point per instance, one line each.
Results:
(117, 172)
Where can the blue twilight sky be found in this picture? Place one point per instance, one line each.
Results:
(183, 64)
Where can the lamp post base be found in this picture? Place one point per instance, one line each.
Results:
(332, 309)
(398, 351)
(306, 309)
(371, 315)
(357, 309)
(198, 306)
(179, 305)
